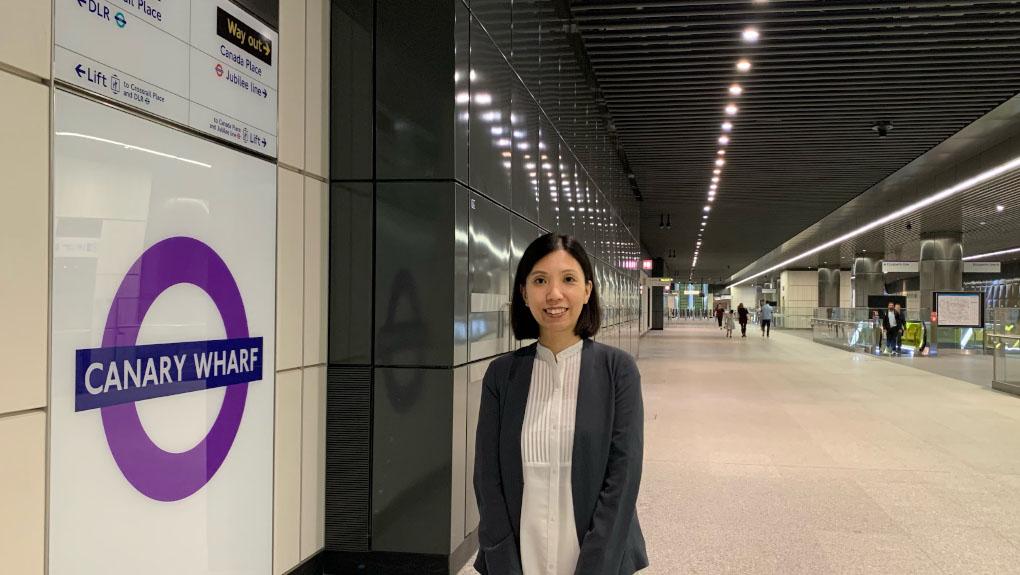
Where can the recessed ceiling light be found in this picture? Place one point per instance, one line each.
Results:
(983, 223)
(1000, 207)
(721, 152)
(751, 34)
(724, 140)
(717, 171)
(720, 162)
(744, 65)
(707, 208)
(727, 126)
(736, 90)
(711, 198)
(715, 180)
(732, 109)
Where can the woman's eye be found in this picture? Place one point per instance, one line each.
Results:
(539, 281)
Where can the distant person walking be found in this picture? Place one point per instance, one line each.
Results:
(876, 326)
(742, 316)
(729, 324)
(892, 323)
(719, 312)
(766, 320)
(902, 317)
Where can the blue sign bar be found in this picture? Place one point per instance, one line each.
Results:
(108, 376)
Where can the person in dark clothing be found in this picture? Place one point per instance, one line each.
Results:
(903, 327)
(527, 451)
(742, 316)
(719, 313)
(892, 323)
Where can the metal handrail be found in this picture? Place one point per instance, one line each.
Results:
(1003, 336)
(841, 321)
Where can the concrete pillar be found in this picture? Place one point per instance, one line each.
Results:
(940, 266)
(867, 278)
(828, 287)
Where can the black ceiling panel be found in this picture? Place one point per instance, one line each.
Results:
(803, 144)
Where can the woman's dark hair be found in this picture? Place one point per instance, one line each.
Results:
(521, 320)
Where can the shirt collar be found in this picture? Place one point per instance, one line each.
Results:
(546, 354)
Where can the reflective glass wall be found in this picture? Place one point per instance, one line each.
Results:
(460, 132)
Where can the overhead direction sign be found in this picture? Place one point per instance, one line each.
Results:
(982, 267)
(206, 64)
(899, 267)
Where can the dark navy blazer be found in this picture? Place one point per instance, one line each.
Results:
(606, 465)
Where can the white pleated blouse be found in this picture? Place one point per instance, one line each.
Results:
(549, 543)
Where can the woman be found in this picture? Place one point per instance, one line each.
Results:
(560, 432)
(742, 315)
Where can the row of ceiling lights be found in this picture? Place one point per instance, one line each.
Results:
(750, 35)
(954, 190)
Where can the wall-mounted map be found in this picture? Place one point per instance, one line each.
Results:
(960, 309)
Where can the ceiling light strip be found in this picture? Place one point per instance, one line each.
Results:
(990, 254)
(944, 194)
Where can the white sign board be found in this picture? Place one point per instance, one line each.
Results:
(692, 292)
(207, 64)
(959, 309)
(899, 267)
(162, 366)
(982, 267)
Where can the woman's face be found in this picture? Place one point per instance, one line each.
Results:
(555, 291)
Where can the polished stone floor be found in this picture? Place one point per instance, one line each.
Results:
(785, 456)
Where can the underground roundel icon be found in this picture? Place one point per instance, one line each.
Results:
(156, 473)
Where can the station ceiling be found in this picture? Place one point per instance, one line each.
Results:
(824, 75)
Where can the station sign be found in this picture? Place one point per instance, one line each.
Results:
(982, 267)
(899, 267)
(162, 356)
(206, 64)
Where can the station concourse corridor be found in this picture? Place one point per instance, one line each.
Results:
(263, 262)
(783, 456)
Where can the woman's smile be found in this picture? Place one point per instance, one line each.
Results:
(556, 312)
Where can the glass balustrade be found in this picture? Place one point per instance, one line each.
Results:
(1002, 339)
(860, 329)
